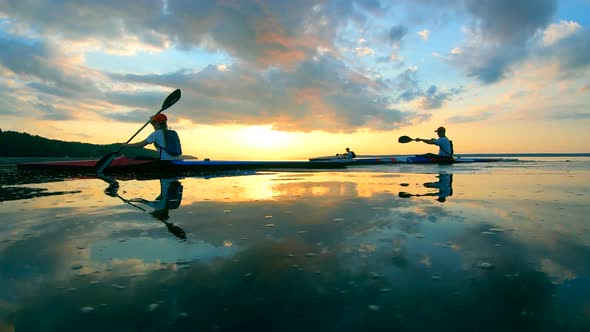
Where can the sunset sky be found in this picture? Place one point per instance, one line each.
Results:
(277, 79)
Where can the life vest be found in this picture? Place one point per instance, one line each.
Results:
(172, 140)
(174, 195)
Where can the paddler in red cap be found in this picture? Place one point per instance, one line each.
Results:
(166, 141)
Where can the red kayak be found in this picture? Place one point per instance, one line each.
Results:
(134, 165)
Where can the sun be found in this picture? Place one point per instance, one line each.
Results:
(264, 138)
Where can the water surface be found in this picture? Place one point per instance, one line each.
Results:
(473, 247)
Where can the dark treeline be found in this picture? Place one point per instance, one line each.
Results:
(15, 144)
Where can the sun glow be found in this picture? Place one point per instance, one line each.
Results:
(263, 138)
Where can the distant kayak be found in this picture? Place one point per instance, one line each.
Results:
(408, 160)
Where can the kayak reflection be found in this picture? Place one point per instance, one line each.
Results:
(169, 198)
(444, 186)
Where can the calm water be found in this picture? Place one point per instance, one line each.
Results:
(473, 247)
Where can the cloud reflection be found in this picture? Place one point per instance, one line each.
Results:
(345, 252)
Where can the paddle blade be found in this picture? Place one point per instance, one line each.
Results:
(404, 139)
(171, 99)
(105, 161)
(177, 231)
(404, 194)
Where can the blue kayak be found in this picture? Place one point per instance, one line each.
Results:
(417, 159)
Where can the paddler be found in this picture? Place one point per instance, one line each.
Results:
(445, 146)
(166, 141)
(349, 154)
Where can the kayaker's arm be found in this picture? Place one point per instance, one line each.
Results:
(135, 145)
(427, 141)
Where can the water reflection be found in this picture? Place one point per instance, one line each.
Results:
(329, 251)
(14, 193)
(444, 187)
(169, 198)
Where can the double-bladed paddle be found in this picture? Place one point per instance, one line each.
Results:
(440, 198)
(404, 194)
(105, 161)
(408, 139)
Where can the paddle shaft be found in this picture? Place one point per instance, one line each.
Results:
(408, 139)
(140, 129)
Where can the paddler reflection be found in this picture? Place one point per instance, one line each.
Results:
(169, 199)
(444, 186)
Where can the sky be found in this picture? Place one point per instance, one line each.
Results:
(276, 79)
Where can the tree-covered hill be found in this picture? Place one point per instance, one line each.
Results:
(15, 144)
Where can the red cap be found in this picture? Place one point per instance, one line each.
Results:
(159, 118)
(440, 129)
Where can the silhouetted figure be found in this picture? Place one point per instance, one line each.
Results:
(169, 198)
(166, 140)
(349, 154)
(444, 186)
(445, 146)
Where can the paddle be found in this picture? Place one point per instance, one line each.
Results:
(405, 139)
(404, 194)
(105, 161)
(408, 139)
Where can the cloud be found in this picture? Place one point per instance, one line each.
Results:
(363, 51)
(498, 37)
(572, 116)
(8, 104)
(508, 21)
(285, 66)
(424, 34)
(266, 33)
(572, 52)
(319, 94)
(396, 34)
(82, 21)
(50, 112)
(431, 98)
(270, 33)
(394, 57)
(130, 116)
(467, 118)
(38, 61)
(29, 59)
(50, 89)
(556, 32)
